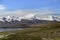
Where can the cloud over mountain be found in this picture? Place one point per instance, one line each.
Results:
(25, 12)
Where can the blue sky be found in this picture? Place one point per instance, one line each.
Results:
(14, 5)
(31, 4)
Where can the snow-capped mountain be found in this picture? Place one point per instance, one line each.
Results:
(29, 17)
(8, 18)
(49, 18)
(12, 18)
(33, 16)
(1, 19)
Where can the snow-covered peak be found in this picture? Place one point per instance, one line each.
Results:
(11, 18)
(8, 17)
(1, 19)
(50, 18)
(29, 16)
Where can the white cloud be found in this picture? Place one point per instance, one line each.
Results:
(2, 7)
(25, 12)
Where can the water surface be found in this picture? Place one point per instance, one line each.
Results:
(9, 29)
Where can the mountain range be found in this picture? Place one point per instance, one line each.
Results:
(26, 21)
(28, 17)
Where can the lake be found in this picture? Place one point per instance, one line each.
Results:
(9, 29)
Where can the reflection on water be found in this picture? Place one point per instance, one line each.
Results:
(9, 29)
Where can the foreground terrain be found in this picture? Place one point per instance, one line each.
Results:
(32, 34)
(45, 32)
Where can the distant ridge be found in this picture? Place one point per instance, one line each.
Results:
(28, 17)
